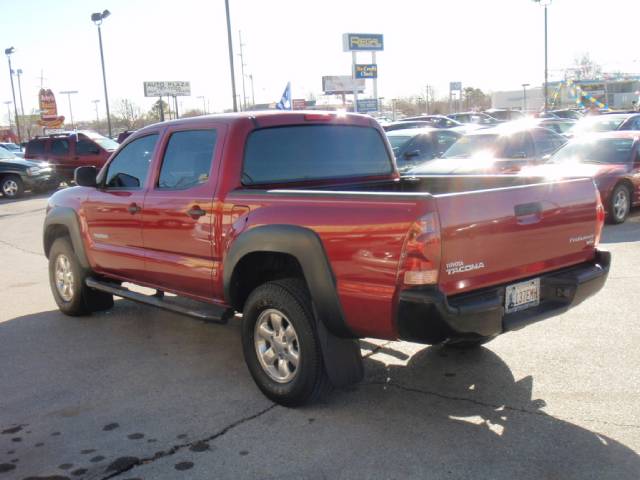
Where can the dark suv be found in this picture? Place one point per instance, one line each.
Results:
(69, 150)
(18, 175)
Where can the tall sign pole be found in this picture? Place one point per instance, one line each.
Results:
(375, 80)
(363, 42)
(355, 85)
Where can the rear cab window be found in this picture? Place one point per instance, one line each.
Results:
(300, 153)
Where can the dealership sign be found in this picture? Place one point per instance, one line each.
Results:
(336, 84)
(164, 89)
(368, 105)
(362, 42)
(369, 70)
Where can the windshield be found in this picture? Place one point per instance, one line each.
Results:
(104, 142)
(605, 123)
(398, 141)
(604, 150)
(472, 144)
(12, 147)
(6, 154)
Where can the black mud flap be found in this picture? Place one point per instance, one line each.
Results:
(342, 358)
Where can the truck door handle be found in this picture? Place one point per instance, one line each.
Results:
(196, 212)
(528, 213)
(133, 208)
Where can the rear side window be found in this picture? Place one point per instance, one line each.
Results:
(312, 152)
(86, 147)
(187, 159)
(129, 168)
(36, 146)
(59, 146)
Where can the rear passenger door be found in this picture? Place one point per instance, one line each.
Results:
(178, 224)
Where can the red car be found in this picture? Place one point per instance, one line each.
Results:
(69, 150)
(300, 221)
(612, 159)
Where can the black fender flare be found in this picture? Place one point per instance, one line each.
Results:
(65, 217)
(340, 348)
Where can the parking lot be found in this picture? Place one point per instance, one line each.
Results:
(141, 393)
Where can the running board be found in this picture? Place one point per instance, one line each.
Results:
(214, 314)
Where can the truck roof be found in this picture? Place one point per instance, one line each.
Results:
(268, 118)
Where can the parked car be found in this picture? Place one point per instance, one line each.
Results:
(12, 148)
(18, 175)
(606, 123)
(70, 150)
(474, 118)
(612, 159)
(568, 113)
(504, 114)
(436, 121)
(122, 136)
(302, 223)
(503, 149)
(561, 126)
(414, 146)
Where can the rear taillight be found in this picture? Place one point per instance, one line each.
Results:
(420, 259)
(599, 219)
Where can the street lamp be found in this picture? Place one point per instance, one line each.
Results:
(8, 52)
(545, 4)
(233, 75)
(524, 97)
(68, 93)
(95, 103)
(98, 18)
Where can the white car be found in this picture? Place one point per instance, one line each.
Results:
(12, 148)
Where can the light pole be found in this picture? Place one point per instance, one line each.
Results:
(95, 103)
(68, 93)
(8, 52)
(253, 93)
(545, 4)
(204, 105)
(524, 97)
(19, 74)
(8, 104)
(98, 18)
(242, 65)
(233, 75)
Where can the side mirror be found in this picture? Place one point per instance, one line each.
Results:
(86, 176)
(412, 154)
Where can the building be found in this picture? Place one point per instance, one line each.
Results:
(515, 99)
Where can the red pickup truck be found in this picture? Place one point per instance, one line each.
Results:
(300, 221)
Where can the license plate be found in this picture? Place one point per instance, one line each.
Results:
(520, 296)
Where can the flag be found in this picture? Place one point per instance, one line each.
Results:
(285, 101)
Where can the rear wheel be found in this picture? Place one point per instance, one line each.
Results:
(12, 186)
(620, 204)
(280, 343)
(67, 277)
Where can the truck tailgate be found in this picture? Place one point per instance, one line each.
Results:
(502, 235)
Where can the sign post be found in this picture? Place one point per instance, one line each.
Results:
(368, 42)
(167, 89)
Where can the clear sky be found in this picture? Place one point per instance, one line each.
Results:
(490, 44)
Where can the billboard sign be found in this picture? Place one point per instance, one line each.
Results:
(335, 84)
(366, 71)
(299, 103)
(367, 105)
(455, 86)
(167, 89)
(49, 117)
(362, 42)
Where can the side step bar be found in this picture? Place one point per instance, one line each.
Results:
(213, 314)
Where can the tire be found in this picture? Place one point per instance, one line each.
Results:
(466, 343)
(289, 300)
(12, 186)
(66, 279)
(619, 204)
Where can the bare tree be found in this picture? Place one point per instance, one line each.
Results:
(127, 114)
(585, 68)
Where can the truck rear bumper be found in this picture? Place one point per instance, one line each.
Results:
(426, 315)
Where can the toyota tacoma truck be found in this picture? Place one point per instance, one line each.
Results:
(300, 222)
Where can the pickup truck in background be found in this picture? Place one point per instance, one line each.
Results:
(300, 221)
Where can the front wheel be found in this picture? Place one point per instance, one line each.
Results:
(280, 343)
(620, 204)
(12, 186)
(67, 277)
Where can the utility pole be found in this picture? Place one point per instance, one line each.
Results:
(19, 74)
(253, 93)
(233, 75)
(68, 93)
(8, 52)
(241, 54)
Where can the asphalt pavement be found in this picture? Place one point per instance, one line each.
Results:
(138, 393)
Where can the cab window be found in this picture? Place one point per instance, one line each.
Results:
(130, 166)
(187, 159)
(86, 147)
(59, 146)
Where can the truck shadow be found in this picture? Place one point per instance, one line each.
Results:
(472, 400)
(429, 413)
